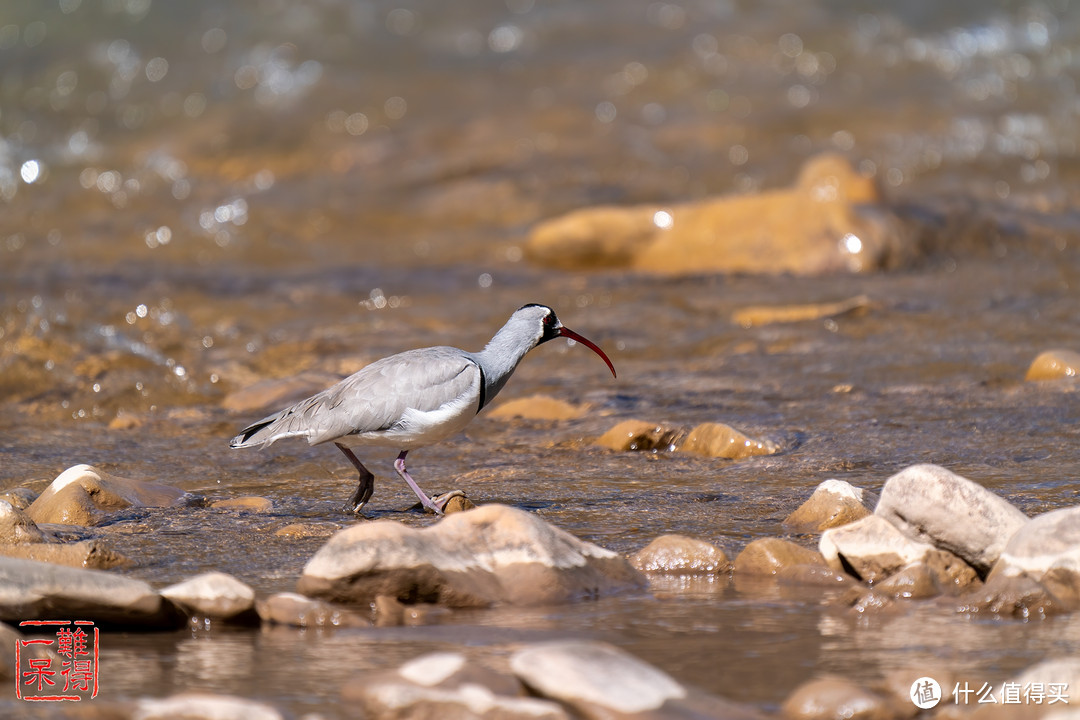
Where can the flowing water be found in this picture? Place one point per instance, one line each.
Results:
(198, 197)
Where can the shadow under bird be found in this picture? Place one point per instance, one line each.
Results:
(412, 399)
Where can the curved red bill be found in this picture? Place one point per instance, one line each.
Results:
(567, 332)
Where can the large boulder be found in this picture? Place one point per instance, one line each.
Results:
(83, 495)
(492, 554)
(831, 219)
(44, 591)
(934, 505)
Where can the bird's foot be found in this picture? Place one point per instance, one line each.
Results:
(448, 502)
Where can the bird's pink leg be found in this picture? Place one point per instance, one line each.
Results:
(432, 505)
(366, 488)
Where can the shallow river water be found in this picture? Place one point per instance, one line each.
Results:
(197, 198)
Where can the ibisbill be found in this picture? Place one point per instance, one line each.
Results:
(412, 399)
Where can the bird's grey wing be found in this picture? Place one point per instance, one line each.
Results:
(378, 396)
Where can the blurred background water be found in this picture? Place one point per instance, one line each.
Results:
(200, 196)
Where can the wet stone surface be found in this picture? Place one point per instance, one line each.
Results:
(210, 210)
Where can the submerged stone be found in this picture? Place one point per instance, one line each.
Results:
(92, 554)
(247, 503)
(758, 315)
(539, 407)
(204, 706)
(492, 554)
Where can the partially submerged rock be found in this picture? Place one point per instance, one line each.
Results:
(539, 407)
(774, 556)
(16, 527)
(44, 591)
(93, 554)
(1054, 365)
(446, 685)
(214, 595)
(492, 554)
(724, 441)
(246, 503)
(301, 611)
(832, 504)
(680, 555)
(827, 698)
(204, 706)
(597, 680)
(639, 435)
(931, 504)
(84, 495)
(831, 219)
(707, 439)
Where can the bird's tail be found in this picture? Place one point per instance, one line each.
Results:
(269, 430)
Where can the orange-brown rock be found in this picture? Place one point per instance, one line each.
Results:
(829, 698)
(1054, 365)
(773, 556)
(539, 407)
(640, 435)
(757, 315)
(680, 555)
(724, 441)
(247, 503)
(832, 504)
(831, 219)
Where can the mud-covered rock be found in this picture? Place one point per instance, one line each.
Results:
(680, 555)
(597, 680)
(774, 556)
(1054, 365)
(724, 441)
(16, 527)
(214, 595)
(832, 504)
(933, 505)
(493, 554)
(84, 495)
(831, 219)
(639, 435)
(539, 407)
(45, 591)
(832, 698)
(301, 611)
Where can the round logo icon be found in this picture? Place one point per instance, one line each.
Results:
(925, 693)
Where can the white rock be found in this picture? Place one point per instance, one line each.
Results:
(595, 673)
(215, 594)
(934, 505)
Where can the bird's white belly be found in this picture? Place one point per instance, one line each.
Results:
(418, 428)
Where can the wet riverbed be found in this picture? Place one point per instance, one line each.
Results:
(197, 199)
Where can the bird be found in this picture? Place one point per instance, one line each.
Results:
(412, 400)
